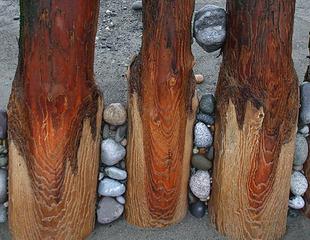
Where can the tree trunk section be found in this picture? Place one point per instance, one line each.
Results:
(162, 106)
(55, 114)
(256, 121)
(307, 163)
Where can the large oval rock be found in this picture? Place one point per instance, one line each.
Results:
(296, 202)
(207, 104)
(115, 114)
(111, 188)
(3, 124)
(200, 184)
(210, 27)
(111, 152)
(203, 136)
(305, 103)
(200, 162)
(299, 183)
(301, 150)
(116, 173)
(3, 185)
(109, 210)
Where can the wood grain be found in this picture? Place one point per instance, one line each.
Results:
(257, 108)
(161, 116)
(55, 114)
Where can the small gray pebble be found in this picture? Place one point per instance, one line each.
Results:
(210, 27)
(3, 124)
(304, 130)
(111, 152)
(137, 5)
(202, 135)
(121, 133)
(197, 209)
(111, 188)
(116, 173)
(122, 165)
(305, 103)
(301, 150)
(205, 118)
(109, 210)
(121, 200)
(207, 104)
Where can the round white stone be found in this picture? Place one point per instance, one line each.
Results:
(200, 184)
(203, 136)
(111, 152)
(297, 202)
(115, 114)
(111, 188)
(299, 183)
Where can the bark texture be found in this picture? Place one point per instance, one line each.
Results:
(307, 163)
(55, 113)
(162, 107)
(256, 121)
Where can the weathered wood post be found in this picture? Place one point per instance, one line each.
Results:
(162, 109)
(55, 113)
(307, 163)
(257, 109)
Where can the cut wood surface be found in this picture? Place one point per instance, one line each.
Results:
(55, 114)
(256, 121)
(162, 106)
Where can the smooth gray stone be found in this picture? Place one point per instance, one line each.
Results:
(210, 27)
(210, 153)
(109, 210)
(121, 133)
(207, 104)
(106, 131)
(305, 103)
(203, 136)
(137, 5)
(3, 124)
(3, 185)
(3, 160)
(304, 130)
(122, 165)
(111, 188)
(205, 118)
(200, 162)
(121, 200)
(3, 214)
(116, 173)
(111, 152)
(301, 150)
(197, 209)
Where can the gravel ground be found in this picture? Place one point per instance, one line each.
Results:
(114, 50)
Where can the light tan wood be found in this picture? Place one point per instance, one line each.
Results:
(232, 209)
(73, 217)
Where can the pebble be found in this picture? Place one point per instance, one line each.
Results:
(205, 118)
(301, 150)
(121, 200)
(122, 165)
(3, 124)
(111, 152)
(116, 173)
(3, 214)
(199, 78)
(137, 5)
(296, 202)
(203, 136)
(3, 185)
(305, 103)
(210, 154)
(121, 133)
(124, 142)
(304, 130)
(201, 163)
(106, 131)
(210, 27)
(111, 188)
(109, 210)
(3, 160)
(115, 114)
(197, 209)
(101, 176)
(299, 183)
(200, 184)
(207, 104)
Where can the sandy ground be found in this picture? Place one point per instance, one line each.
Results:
(114, 50)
